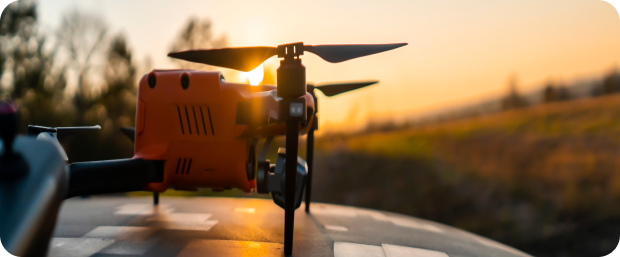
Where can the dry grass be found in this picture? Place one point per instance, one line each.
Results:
(523, 177)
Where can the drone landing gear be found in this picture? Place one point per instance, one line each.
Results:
(290, 173)
(274, 179)
(309, 161)
(155, 198)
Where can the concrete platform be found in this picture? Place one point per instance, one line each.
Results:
(132, 226)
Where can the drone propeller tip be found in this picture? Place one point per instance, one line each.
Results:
(332, 89)
(341, 53)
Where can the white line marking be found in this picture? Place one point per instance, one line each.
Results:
(403, 251)
(246, 210)
(181, 217)
(130, 247)
(231, 248)
(187, 226)
(411, 223)
(337, 228)
(183, 221)
(334, 211)
(374, 214)
(142, 209)
(77, 247)
(121, 233)
(342, 249)
(491, 243)
(354, 212)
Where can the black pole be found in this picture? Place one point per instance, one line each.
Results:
(309, 161)
(155, 198)
(290, 177)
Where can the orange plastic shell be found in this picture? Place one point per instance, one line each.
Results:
(195, 131)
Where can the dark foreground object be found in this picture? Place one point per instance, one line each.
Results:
(250, 227)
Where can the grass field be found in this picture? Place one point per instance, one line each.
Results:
(545, 179)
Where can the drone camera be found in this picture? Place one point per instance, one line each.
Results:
(271, 179)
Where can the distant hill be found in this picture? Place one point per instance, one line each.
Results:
(578, 89)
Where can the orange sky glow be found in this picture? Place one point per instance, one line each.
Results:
(459, 51)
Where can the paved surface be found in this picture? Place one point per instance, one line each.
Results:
(251, 227)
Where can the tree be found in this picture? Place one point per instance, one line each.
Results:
(197, 34)
(119, 94)
(513, 100)
(115, 108)
(553, 93)
(83, 37)
(28, 72)
(609, 85)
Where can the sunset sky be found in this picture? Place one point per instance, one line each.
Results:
(459, 51)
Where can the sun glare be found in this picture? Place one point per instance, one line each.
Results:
(255, 76)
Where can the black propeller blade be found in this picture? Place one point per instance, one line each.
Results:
(130, 132)
(341, 53)
(248, 58)
(238, 58)
(61, 132)
(333, 89)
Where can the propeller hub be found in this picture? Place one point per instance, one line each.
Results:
(291, 51)
(291, 78)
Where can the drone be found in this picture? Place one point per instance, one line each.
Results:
(193, 129)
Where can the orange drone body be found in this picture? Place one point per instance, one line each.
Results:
(188, 118)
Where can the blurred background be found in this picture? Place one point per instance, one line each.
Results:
(499, 117)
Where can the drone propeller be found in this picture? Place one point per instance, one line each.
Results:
(130, 132)
(341, 53)
(248, 58)
(238, 58)
(333, 89)
(61, 132)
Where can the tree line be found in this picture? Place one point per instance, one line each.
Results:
(557, 92)
(36, 68)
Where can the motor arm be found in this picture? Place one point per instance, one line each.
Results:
(113, 176)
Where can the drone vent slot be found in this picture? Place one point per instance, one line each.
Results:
(203, 121)
(183, 171)
(189, 125)
(183, 168)
(210, 121)
(188, 166)
(178, 164)
(187, 119)
(181, 120)
(195, 121)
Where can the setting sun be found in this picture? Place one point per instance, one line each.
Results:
(255, 76)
